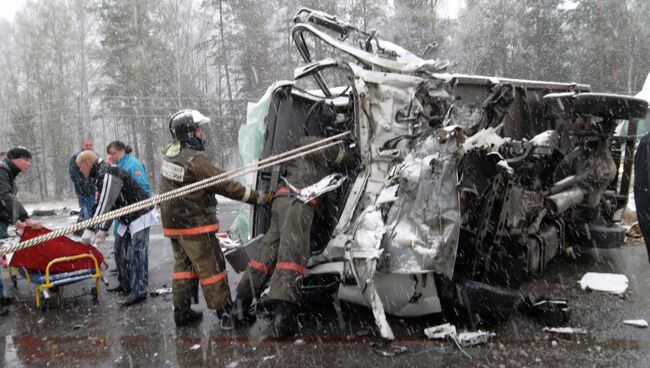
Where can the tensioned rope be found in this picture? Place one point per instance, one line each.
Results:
(194, 187)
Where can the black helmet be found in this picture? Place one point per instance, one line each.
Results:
(183, 126)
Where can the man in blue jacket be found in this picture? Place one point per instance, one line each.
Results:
(83, 188)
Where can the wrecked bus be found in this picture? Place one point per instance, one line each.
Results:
(463, 186)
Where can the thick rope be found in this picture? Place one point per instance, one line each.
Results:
(191, 188)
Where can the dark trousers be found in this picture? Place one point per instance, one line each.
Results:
(132, 260)
(642, 202)
(85, 206)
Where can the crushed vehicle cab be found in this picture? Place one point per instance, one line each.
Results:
(461, 186)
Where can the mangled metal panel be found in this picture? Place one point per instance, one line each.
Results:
(424, 221)
(424, 216)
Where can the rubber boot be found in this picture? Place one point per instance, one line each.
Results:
(241, 314)
(285, 323)
(184, 316)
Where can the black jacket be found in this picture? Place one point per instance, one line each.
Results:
(10, 209)
(82, 186)
(116, 188)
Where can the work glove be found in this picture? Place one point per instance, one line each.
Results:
(87, 236)
(265, 198)
(100, 237)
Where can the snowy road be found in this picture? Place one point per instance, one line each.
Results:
(78, 332)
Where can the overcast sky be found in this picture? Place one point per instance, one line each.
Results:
(9, 7)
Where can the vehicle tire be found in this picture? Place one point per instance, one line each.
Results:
(94, 293)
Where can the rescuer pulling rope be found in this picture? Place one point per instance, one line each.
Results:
(217, 179)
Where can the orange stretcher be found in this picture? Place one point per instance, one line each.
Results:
(55, 263)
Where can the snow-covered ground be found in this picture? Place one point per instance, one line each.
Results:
(57, 204)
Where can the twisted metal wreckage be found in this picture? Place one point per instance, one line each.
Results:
(464, 185)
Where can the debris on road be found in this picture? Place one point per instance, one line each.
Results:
(474, 338)
(389, 350)
(607, 282)
(161, 291)
(195, 347)
(565, 330)
(642, 323)
(549, 312)
(468, 338)
(634, 231)
(441, 331)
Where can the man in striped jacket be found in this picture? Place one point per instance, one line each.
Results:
(190, 221)
(116, 188)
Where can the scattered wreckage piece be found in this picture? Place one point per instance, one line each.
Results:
(565, 330)
(641, 323)
(549, 312)
(161, 291)
(466, 338)
(459, 186)
(441, 331)
(607, 282)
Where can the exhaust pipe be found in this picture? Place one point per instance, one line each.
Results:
(560, 202)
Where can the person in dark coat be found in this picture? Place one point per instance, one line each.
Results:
(83, 187)
(642, 188)
(12, 212)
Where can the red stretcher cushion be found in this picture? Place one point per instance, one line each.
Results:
(37, 257)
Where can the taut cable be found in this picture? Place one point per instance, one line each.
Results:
(194, 187)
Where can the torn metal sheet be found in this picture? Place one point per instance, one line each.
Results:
(636, 322)
(387, 195)
(325, 185)
(607, 282)
(363, 259)
(424, 222)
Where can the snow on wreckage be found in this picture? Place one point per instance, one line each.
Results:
(463, 185)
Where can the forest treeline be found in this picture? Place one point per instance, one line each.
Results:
(118, 69)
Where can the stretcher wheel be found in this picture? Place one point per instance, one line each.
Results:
(94, 293)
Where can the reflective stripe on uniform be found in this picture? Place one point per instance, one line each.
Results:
(291, 267)
(192, 231)
(212, 279)
(260, 267)
(184, 275)
(246, 195)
